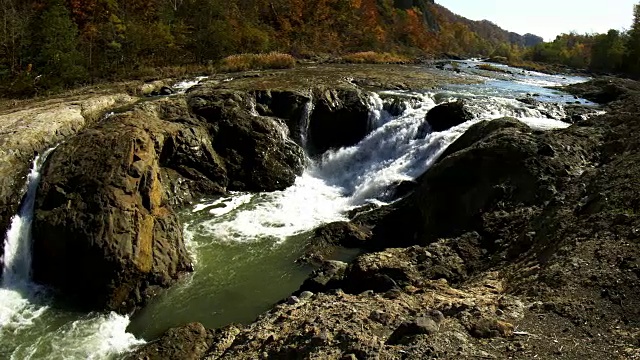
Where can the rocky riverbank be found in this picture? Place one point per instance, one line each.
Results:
(516, 244)
(512, 233)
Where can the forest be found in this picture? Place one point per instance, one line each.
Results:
(55, 44)
(616, 52)
(50, 45)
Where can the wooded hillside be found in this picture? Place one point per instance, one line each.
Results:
(62, 43)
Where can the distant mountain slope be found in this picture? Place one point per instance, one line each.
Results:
(486, 29)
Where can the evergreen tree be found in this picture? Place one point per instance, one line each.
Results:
(56, 55)
(633, 45)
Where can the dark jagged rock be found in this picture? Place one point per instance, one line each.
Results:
(529, 100)
(188, 342)
(328, 276)
(396, 105)
(287, 105)
(340, 118)
(577, 113)
(361, 210)
(245, 141)
(341, 233)
(329, 237)
(446, 116)
(400, 189)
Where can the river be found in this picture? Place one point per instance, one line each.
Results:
(245, 246)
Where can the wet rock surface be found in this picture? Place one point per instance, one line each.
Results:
(446, 116)
(340, 118)
(605, 90)
(516, 244)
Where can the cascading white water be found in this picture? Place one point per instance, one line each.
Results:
(17, 245)
(182, 86)
(349, 177)
(25, 307)
(304, 123)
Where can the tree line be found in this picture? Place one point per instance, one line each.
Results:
(55, 44)
(616, 52)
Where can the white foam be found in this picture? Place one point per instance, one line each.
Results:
(544, 124)
(183, 86)
(94, 337)
(377, 115)
(224, 205)
(280, 214)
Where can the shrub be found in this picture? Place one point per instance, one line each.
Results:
(372, 57)
(245, 62)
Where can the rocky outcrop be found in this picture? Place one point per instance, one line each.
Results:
(340, 118)
(604, 90)
(24, 132)
(294, 107)
(245, 141)
(105, 231)
(328, 237)
(447, 115)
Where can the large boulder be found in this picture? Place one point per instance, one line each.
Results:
(604, 90)
(27, 131)
(448, 115)
(256, 150)
(328, 237)
(340, 118)
(496, 165)
(105, 231)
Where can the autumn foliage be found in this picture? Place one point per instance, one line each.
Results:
(97, 40)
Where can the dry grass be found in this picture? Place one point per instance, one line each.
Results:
(245, 62)
(372, 57)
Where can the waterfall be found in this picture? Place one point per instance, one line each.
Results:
(17, 245)
(376, 112)
(25, 309)
(304, 123)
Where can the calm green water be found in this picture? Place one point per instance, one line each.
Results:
(234, 281)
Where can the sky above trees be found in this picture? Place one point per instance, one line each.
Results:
(548, 18)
